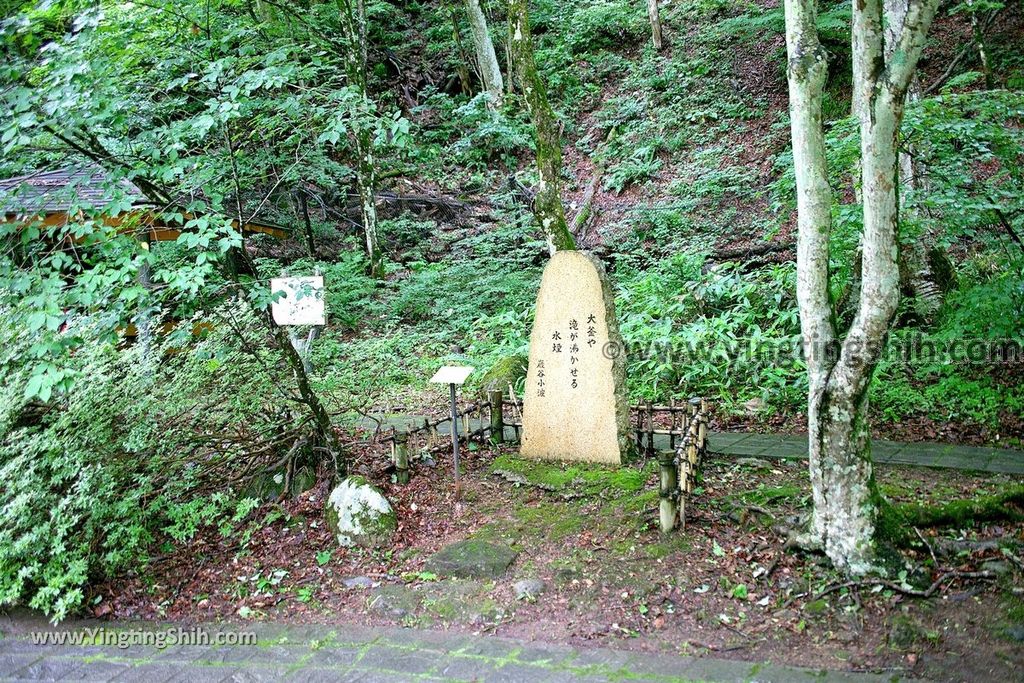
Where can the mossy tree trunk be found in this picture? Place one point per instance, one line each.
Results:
(352, 14)
(846, 499)
(548, 201)
(486, 58)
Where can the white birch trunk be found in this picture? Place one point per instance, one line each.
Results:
(655, 17)
(844, 493)
(486, 58)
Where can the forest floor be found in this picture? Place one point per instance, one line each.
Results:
(723, 587)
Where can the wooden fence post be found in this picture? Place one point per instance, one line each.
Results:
(497, 417)
(702, 427)
(401, 452)
(669, 491)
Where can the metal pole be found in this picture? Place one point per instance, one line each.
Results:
(455, 435)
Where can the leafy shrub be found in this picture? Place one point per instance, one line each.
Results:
(723, 333)
(89, 483)
(490, 136)
(601, 24)
(641, 166)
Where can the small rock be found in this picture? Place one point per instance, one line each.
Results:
(394, 601)
(754, 406)
(997, 567)
(756, 463)
(816, 607)
(1016, 632)
(529, 589)
(358, 582)
(905, 632)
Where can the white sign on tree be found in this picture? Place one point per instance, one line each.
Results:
(302, 303)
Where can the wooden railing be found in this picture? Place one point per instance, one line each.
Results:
(489, 417)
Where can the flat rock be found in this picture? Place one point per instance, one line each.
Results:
(528, 589)
(394, 601)
(358, 582)
(472, 558)
(756, 463)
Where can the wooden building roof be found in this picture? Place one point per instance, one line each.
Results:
(56, 195)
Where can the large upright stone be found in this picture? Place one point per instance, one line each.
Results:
(575, 404)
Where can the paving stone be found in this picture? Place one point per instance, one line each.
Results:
(515, 673)
(98, 671)
(222, 654)
(334, 656)
(212, 674)
(285, 655)
(150, 673)
(48, 669)
(24, 646)
(383, 657)
(11, 662)
(314, 675)
(260, 674)
(461, 669)
(544, 655)
(131, 652)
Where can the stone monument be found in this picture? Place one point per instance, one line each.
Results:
(575, 405)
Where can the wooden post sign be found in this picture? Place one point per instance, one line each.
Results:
(453, 376)
(302, 303)
(575, 405)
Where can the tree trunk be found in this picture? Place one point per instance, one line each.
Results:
(486, 58)
(321, 418)
(979, 45)
(353, 26)
(916, 277)
(655, 17)
(463, 66)
(366, 179)
(844, 492)
(548, 201)
(307, 224)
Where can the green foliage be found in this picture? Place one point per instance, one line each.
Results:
(637, 168)
(682, 326)
(602, 24)
(122, 458)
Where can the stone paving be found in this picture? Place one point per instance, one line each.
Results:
(349, 653)
(749, 444)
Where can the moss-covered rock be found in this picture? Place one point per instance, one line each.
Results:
(358, 514)
(271, 485)
(506, 370)
(472, 558)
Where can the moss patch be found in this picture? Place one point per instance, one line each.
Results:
(552, 476)
(552, 521)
